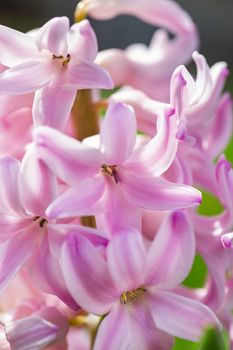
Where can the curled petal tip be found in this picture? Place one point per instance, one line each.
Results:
(225, 72)
(223, 162)
(180, 135)
(170, 111)
(198, 197)
(196, 54)
(178, 215)
(227, 240)
(85, 27)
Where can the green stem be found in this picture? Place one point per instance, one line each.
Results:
(85, 123)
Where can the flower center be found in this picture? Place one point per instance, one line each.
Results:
(42, 221)
(131, 296)
(65, 60)
(111, 171)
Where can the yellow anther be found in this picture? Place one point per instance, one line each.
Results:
(65, 60)
(129, 297)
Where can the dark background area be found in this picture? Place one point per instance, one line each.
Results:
(214, 19)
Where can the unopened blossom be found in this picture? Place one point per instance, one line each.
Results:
(55, 61)
(134, 288)
(45, 328)
(112, 171)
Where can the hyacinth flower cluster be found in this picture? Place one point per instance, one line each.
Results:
(99, 214)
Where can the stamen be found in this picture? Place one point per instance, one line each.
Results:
(42, 221)
(58, 57)
(65, 60)
(129, 297)
(111, 170)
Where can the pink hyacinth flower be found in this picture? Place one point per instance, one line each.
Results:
(55, 61)
(113, 171)
(27, 237)
(135, 288)
(147, 68)
(196, 102)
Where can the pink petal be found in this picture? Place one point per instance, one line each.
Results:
(57, 234)
(87, 276)
(30, 333)
(224, 177)
(202, 98)
(37, 184)
(220, 131)
(180, 316)
(111, 60)
(214, 293)
(4, 344)
(126, 257)
(118, 133)
(11, 226)
(52, 105)
(53, 36)
(69, 159)
(173, 249)
(81, 199)
(158, 194)
(46, 275)
(146, 109)
(25, 77)
(118, 213)
(16, 47)
(178, 83)
(14, 254)
(54, 315)
(10, 202)
(144, 333)
(10, 104)
(163, 13)
(11, 129)
(86, 75)
(114, 330)
(157, 155)
(82, 41)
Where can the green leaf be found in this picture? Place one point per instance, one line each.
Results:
(197, 275)
(210, 205)
(213, 340)
(229, 151)
(181, 344)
